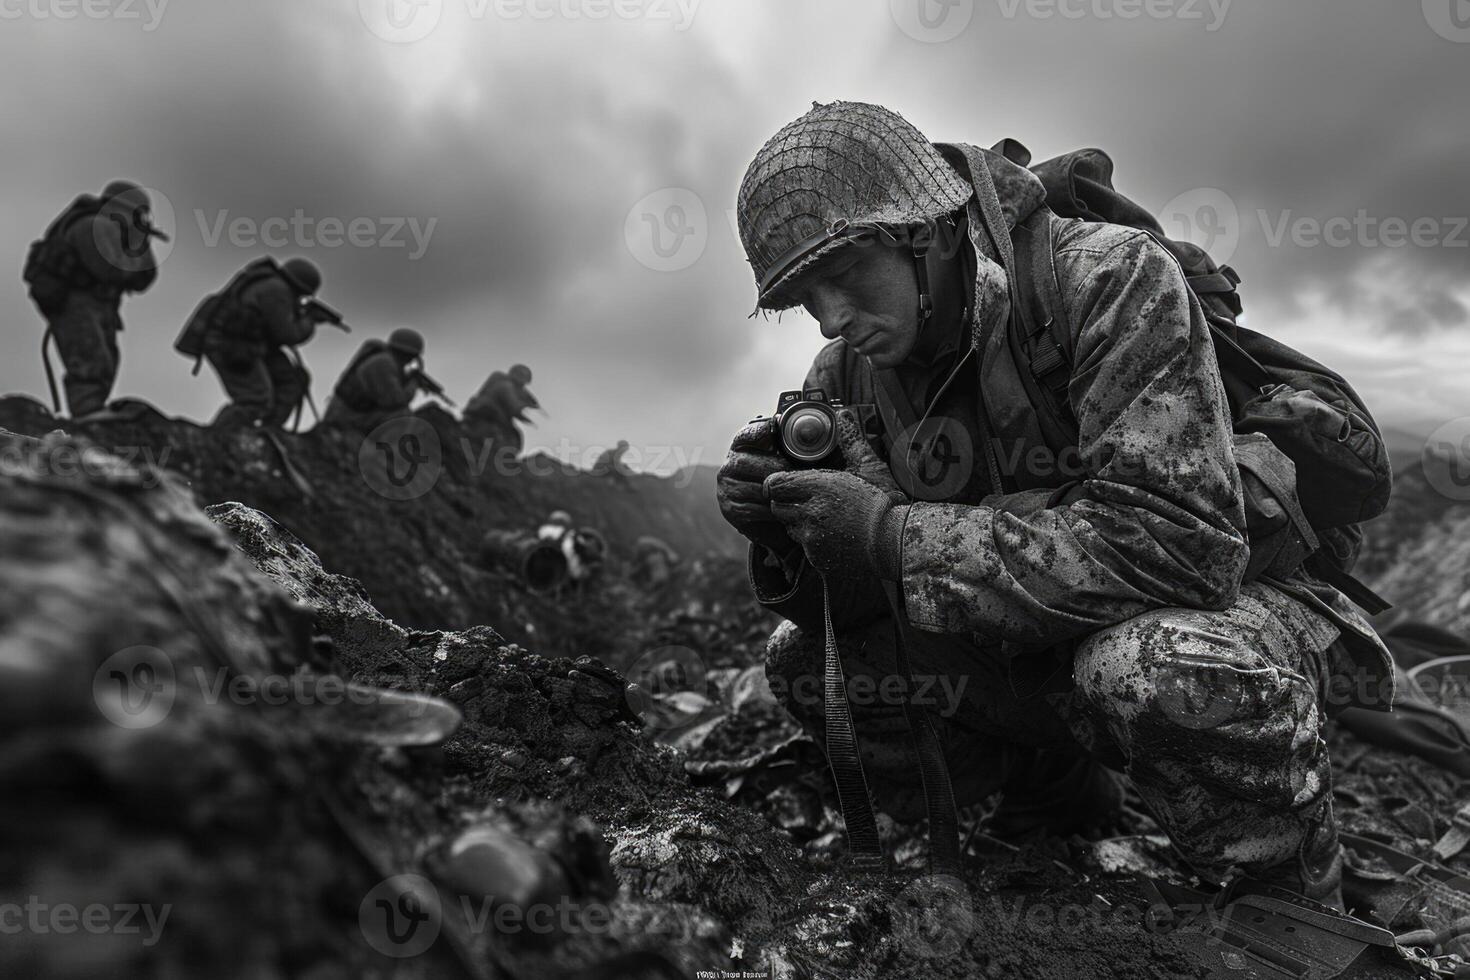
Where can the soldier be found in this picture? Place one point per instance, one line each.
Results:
(379, 382)
(501, 402)
(98, 249)
(610, 464)
(245, 332)
(654, 561)
(1101, 622)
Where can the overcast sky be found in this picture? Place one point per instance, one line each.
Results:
(504, 173)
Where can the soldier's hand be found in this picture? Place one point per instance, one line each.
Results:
(740, 487)
(841, 521)
(858, 456)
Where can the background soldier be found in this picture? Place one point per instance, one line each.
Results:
(610, 464)
(244, 332)
(380, 381)
(98, 249)
(501, 402)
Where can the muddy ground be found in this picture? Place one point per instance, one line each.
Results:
(688, 828)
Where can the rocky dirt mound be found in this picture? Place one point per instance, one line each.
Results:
(416, 547)
(664, 827)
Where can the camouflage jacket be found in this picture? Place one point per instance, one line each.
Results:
(1149, 513)
(1154, 518)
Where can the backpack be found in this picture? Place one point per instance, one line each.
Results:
(216, 309)
(1307, 491)
(52, 267)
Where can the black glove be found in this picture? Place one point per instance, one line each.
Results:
(739, 487)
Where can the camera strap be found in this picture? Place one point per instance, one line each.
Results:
(864, 847)
(853, 795)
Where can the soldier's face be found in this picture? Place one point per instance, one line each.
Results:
(868, 296)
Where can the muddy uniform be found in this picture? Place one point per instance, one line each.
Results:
(1102, 616)
(112, 257)
(248, 352)
(375, 386)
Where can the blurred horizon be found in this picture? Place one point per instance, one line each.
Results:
(551, 182)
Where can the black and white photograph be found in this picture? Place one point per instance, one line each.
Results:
(735, 490)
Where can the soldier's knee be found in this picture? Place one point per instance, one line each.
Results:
(1179, 667)
(795, 666)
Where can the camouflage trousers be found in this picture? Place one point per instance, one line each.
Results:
(1215, 717)
(86, 336)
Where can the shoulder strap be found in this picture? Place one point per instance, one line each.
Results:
(1042, 330)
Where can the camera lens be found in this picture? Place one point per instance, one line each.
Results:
(807, 432)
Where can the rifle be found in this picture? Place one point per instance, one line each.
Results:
(321, 312)
(431, 387)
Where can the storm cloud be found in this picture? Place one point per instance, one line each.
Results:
(550, 181)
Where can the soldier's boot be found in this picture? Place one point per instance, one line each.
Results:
(1315, 871)
(1055, 794)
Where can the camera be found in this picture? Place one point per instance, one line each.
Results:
(804, 428)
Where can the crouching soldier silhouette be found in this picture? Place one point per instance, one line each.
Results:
(249, 332)
(501, 403)
(97, 250)
(380, 381)
(1049, 514)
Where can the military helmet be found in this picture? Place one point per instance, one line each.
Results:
(120, 187)
(520, 374)
(408, 341)
(826, 179)
(303, 274)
